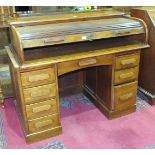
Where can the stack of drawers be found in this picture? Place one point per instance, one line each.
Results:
(125, 81)
(40, 95)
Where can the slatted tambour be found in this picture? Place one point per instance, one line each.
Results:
(71, 32)
(77, 27)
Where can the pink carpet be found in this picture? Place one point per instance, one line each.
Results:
(84, 126)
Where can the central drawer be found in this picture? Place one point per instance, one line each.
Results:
(41, 109)
(40, 92)
(44, 123)
(125, 95)
(73, 65)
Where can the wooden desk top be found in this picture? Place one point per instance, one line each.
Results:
(56, 55)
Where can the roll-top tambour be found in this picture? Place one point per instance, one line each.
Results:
(50, 34)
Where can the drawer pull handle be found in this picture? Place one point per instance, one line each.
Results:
(126, 96)
(41, 108)
(43, 123)
(128, 61)
(40, 93)
(87, 62)
(34, 78)
(126, 75)
(53, 40)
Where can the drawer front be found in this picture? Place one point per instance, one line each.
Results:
(38, 77)
(43, 123)
(127, 61)
(41, 109)
(125, 95)
(69, 66)
(126, 75)
(40, 92)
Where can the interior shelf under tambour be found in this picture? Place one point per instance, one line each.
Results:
(55, 54)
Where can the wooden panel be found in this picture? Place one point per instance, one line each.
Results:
(16, 43)
(104, 85)
(69, 66)
(38, 77)
(126, 75)
(90, 80)
(44, 123)
(98, 84)
(4, 37)
(41, 109)
(125, 95)
(147, 62)
(40, 92)
(70, 83)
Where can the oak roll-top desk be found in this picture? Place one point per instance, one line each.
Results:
(106, 51)
(147, 71)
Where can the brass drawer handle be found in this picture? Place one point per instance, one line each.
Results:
(41, 108)
(53, 40)
(128, 61)
(126, 75)
(126, 96)
(43, 123)
(40, 93)
(87, 62)
(34, 78)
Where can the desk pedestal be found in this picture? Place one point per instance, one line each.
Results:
(110, 81)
